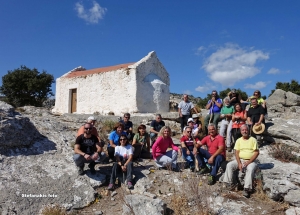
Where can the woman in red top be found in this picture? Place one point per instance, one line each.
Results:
(161, 156)
(239, 118)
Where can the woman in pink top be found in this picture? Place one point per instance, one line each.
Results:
(239, 118)
(161, 156)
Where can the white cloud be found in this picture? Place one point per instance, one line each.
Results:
(201, 50)
(206, 87)
(91, 15)
(274, 71)
(231, 64)
(257, 85)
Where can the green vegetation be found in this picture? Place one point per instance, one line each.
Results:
(24, 86)
(293, 87)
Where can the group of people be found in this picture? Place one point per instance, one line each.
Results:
(205, 154)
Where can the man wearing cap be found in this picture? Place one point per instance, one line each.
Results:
(87, 149)
(184, 110)
(214, 106)
(246, 151)
(255, 118)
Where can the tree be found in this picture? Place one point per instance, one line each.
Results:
(24, 86)
(222, 94)
(293, 87)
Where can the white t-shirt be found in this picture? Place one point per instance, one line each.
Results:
(186, 107)
(121, 150)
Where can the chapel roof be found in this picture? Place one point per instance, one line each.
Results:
(97, 70)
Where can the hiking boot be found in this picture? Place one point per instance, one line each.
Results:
(211, 180)
(92, 167)
(80, 170)
(176, 169)
(203, 170)
(246, 193)
(110, 187)
(129, 184)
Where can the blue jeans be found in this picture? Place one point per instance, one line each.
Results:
(188, 158)
(216, 164)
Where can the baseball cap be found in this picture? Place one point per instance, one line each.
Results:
(190, 120)
(91, 118)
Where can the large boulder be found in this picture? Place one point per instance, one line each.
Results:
(285, 129)
(278, 97)
(6, 110)
(15, 130)
(292, 99)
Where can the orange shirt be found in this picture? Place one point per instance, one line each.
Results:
(238, 123)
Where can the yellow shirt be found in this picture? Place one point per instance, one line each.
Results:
(246, 147)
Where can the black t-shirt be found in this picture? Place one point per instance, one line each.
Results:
(126, 125)
(254, 113)
(87, 145)
(157, 125)
(234, 101)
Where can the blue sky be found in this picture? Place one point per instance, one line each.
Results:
(204, 45)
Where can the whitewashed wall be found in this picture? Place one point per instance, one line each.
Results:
(143, 87)
(153, 83)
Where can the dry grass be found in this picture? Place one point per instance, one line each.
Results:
(285, 153)
(53, 210)
(108, 125)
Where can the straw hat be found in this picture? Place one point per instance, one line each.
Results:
(258, 129)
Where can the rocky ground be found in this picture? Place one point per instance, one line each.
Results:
(36, 170)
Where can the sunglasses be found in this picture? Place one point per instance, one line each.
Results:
(189, 131)
(122, 139)
(88, 128)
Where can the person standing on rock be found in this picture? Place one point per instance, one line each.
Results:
(184, 110)
(88, 150)
(216, 153)
(246, 152)
(94, 131)
(155, 127)
(214, 106)
(161, 156)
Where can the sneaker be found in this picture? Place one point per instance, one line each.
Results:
(92, 168)
(80, 170)
(110, 187)
(211, 180)
(246, 193)
(203, 170)
(129, 184)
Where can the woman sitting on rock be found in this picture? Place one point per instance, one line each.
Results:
(161, 156)
(141, 144)
(114, 139)
(123, 155)
(239, 118)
